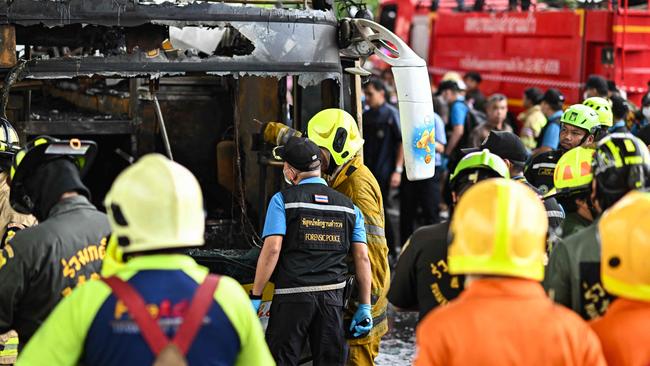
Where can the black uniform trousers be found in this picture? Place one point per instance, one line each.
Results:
(316, 317)
(419, 203)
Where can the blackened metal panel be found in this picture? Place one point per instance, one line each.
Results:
(130, 13)
(280, 49)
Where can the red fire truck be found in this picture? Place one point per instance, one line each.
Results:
(546, 48)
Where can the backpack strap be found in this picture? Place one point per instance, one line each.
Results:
(149, 328)
(201, 303)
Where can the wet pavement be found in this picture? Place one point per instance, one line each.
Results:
(398, 345)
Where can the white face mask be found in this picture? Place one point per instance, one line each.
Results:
(646, 112)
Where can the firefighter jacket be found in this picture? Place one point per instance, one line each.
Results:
(90, 327)
(421, 278)
(8, 217)
(573, 274)
(505, 321)
(318, 236)
(573, 223)
(357, 182)
(624, 334)
(10, 223)
(42, 264)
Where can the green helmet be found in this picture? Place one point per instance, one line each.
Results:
(483, 160)
(581, 116)
(603, 108)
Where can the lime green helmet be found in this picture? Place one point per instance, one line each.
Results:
(335, 130)
(581, 116)
(603, 108)
(483, 160)
(573, 171)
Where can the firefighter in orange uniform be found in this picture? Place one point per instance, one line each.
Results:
(503, 317)
(624, 331)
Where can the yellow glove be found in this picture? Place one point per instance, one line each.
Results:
(278, 133)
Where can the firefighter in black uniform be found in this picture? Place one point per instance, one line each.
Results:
(43, 263)
(309, 231)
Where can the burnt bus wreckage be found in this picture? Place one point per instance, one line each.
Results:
(190, 80)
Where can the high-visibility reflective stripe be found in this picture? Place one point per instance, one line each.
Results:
(10, 348)
(544, 165)
(618, 162)
(633, 160)
(375, 230)
(314, 206)
(555, 214)
(304, 289)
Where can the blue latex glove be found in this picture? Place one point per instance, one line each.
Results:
(362, 320)
(256, 304)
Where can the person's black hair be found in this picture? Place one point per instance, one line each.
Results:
(554, 98)
(599, 83)
(620, 107)
(474, 76)
(448, 85)
(462, 183)
(377, 84)
(645, 101)
(611, 86)
(534, 94)
(517, 167)
(568, 202)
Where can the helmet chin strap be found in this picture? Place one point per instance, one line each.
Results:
(332, 171)
(584, 139)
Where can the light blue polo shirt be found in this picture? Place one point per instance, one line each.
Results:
(552, 134)
(458, 112)
(276, 221)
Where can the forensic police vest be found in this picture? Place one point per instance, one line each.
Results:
(320, 222)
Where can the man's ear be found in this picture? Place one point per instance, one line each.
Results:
(454, 198)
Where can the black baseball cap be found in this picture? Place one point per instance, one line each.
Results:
(505, 145)
(553, 97)
(300, 152)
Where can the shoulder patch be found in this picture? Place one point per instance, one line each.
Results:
(321, 198)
